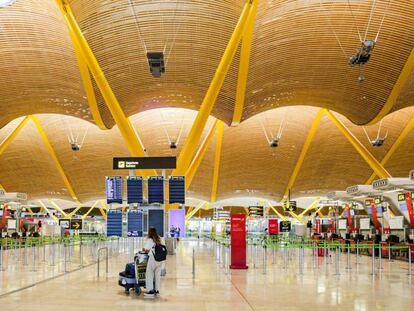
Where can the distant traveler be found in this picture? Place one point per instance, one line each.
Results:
(156, 255)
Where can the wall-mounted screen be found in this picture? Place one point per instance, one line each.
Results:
(176, 190)
(134, 189)
(156, 189)
(114, 189)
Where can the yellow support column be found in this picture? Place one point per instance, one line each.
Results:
(49, 212)
(124, 124)
(87, 84)
(244, 65)
(191, 171)
(193, 138)
(69, 216)
(57, 207)
(407, 129)
(303, 152)
(310, 207)
(2, 188)
(366, 155)
(275, 211)
(54, 157)
(90, 210)
(6, 142)
(199, 206)
(396, 90)
(219, 143)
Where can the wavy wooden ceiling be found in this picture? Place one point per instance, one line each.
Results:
(295, 60)
(249, 167)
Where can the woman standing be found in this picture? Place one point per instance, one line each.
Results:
(153, 272)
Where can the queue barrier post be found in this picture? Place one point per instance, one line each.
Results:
(106, 258)
(409, 261)
(373, 260)
(193, 263)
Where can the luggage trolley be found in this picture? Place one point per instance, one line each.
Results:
(134, 274)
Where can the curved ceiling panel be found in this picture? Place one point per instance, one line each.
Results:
(38, 69)
(249, 167)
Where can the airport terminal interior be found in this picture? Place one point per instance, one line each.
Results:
(206, 155)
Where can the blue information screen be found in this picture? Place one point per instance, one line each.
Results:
(114, 189)
(177, 190)
(114, 223)
(156, 220)
(135, 224)
(134, 189)
(156, 189)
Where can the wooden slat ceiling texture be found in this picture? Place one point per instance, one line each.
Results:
(249, 167)
(298, 60)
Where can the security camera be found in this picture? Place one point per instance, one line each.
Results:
(173, 145)
(75, 146)
(274, 143)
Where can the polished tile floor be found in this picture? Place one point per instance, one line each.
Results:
(319, 288)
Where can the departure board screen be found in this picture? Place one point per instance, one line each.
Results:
(114, 189)
(134, 189)
(135, 224)
(114, 223)
(156, 189)
(177, 189)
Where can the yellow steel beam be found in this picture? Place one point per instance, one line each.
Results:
(49, 212)
(219, 143)
(103, 212)
(304, 151)
(104, 205)
(310, 207)
(87, 84)
(244, 65)
(124, 124)
(199, 206)
(275, 211)
(54, 157)
(396, 90)
(246, 210)
(30, 210)
(194, 136)
(189, 210)
(90, 210)
(70, 215)
(57, 207)
(366, 155)
(407, 129)
(191, 171)
(2, 188)
(6, 142)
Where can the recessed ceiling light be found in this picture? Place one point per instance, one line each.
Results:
(4, 3)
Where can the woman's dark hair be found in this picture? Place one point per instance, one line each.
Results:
(153, 235)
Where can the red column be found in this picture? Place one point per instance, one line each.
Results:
(238, 241)
(348, 212)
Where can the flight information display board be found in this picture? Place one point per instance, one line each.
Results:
(114, 189)
(156, 189)
(402, 203)
(134, 189)
(135, 224)
(156, 220)
(176, 189)
(114, 223)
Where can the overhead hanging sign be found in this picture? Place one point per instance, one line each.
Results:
(145, 163)
(256, 211)
(76, 224)
(290, 206)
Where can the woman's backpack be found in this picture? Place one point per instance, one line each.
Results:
(160, 252)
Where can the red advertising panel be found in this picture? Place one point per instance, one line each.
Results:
(410, 208)
(374, 215)
(273, 227)
(348, 214)
(238, 241)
